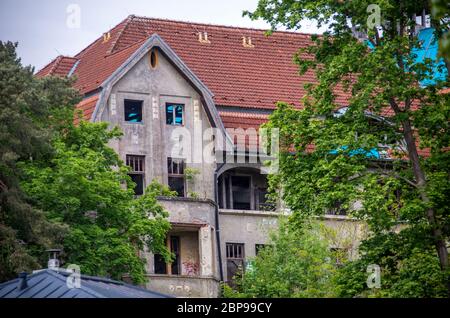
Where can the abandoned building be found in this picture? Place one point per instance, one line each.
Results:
(154, 77)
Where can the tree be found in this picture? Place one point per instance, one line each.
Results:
(30, 109)
(296, 263)
(409, 266)
(440, 10)
(85, 186)
(387, 107)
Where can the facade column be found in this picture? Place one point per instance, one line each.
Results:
(205, 242)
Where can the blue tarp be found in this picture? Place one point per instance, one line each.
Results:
(428, 49)
(372, 153)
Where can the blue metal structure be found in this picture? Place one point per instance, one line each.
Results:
(48, 283)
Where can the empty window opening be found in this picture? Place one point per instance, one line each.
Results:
(259, 248)
(153, 58)
(175, 249)
(174, 268)
(133, 111)
(174, 114)
(235, 260)
(175, 169)
(160, 264)
(241, 192)
(137, 173)
(262, 202)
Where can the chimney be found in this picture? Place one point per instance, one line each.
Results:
(203, 37)
(53, 261)
(22, 281)
(106, 37)
(247, 42)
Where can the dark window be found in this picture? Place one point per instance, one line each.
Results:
(160, 265)
(174, 114)
(153, 58)
(262, 201)
(175, 267)
(258, 248)
(337, 209)
(133, 110)
(137, 165)
(175, 249)
(138, 179)
(175, 169)
(241, 192)
(235, 260)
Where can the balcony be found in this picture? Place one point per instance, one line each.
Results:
(193, 271)
(243, 189)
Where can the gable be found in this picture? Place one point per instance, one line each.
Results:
(155, 41)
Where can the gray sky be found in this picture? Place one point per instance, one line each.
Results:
(45, 28)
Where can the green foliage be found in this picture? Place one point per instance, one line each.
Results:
(85, 185)
(190, 173)
(297, 263)
(31, 112)
(324, 164)
(440, 10)
(408, 269)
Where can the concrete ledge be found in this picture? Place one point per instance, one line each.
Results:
(337, 218)
(180, 199)
(250, 212)
(184, 286)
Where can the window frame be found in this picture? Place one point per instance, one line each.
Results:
(233, 263)
(125, 100)
(140, 172)
(178, 175)
(183, 107)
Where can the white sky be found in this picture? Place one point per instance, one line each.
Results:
(41, 28)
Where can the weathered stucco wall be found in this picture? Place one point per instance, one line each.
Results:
(153, 137)
(184, 286)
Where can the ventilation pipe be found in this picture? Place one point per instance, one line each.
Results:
(22, 281)
(53, 259)
(216, 199)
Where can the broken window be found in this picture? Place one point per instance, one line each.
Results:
(262, 202)
(133, 111)
(137, 173)
(258, 248)
(174, 114)
(160, 265)
(235, 260)
(175, 169)
(175, 249)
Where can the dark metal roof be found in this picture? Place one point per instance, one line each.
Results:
(52, 284)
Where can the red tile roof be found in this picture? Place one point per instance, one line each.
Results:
(255, 77)
(87, 106)
(250, 78)
(60, 66)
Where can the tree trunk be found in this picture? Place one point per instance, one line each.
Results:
(439, 240)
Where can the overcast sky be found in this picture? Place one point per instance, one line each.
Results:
(48, 28)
